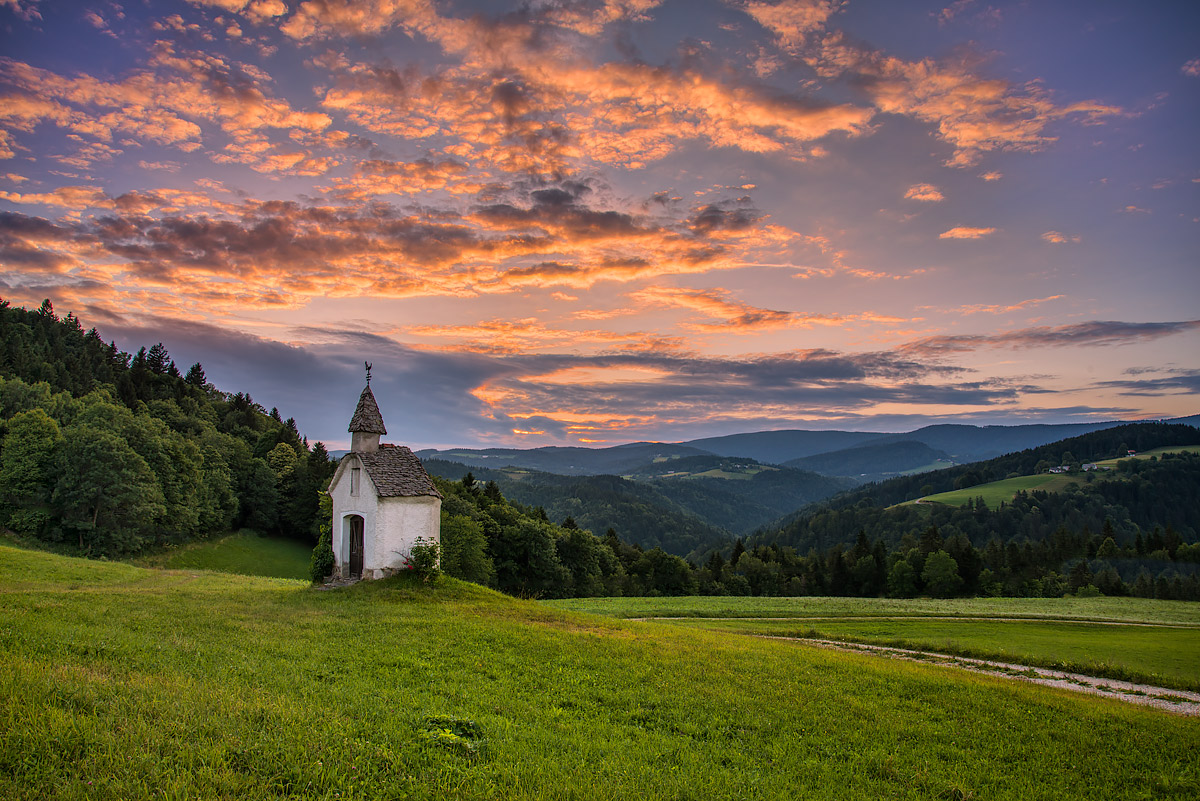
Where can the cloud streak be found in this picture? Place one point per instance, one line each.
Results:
(1092, 334)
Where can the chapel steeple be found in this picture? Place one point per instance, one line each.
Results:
(367, 423)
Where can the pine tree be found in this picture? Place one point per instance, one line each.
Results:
(195, 376)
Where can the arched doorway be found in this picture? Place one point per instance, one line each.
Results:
(356, 546)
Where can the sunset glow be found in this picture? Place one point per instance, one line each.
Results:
(602, 221)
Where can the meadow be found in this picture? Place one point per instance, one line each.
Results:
(1157, 655)
(996, 491)
(124, 682)
(1129, 610)
(245, 553)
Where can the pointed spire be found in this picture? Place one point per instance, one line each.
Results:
(367, 419)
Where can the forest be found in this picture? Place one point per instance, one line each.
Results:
(115, 454)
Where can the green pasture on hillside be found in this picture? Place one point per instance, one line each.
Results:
(1159, 655)
(245, 553)
(1154, 452)
(118, 682)
(996, 491)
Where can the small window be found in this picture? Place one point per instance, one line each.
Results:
(354, 479)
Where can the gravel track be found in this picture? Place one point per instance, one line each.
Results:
(1181, 702)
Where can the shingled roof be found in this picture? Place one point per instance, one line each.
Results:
(367, 418)
(397, 472)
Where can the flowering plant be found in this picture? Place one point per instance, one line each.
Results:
(425, 560)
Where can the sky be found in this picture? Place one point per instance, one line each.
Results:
(597, 222)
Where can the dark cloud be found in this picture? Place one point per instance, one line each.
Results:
(1185, 382)
(735, 215)
(1096, 332)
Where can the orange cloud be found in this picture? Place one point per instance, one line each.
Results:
(163, 105)
(515, 336)
(1004, 309)
(792, 20)
(963, 232)
(924, 192)
(974, 115)
(735, 316)
(1058, 238)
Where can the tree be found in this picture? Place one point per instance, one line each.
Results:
(157, 359)
(579, 552)
(322, 562)
(27, 457)
(931, 540)
(526, 560)
(902, 580)
(30, 445)
(195, 376)
(283, 460)
(1080, 576)
(106, 491)
(464, 550)
(739, 548)
(941, 575)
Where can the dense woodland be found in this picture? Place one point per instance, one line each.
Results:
(518, 550)
(684, 516)
(108, 454)
(117, 453)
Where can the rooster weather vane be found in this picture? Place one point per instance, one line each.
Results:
(368, 366)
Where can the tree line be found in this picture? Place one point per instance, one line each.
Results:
(110, 453)
(517, 549)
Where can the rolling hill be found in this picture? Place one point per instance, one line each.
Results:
(685, 506)
(1131, 502)
(875, 461)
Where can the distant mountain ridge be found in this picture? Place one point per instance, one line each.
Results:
(567, 461)
(874, 460)
(962, 443)
(777, 447)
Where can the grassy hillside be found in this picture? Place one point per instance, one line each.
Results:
(1162, 656)
(994, 492)
(245, 553)
(121, 682)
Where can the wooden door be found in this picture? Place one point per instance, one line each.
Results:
(356, 547)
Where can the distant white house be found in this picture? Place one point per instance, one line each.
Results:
(383, 500)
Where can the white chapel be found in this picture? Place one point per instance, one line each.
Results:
(383, 500)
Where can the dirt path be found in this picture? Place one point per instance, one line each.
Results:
(943, 617)
(1178, 701)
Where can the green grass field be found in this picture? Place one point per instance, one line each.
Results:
(1157, 655)
(996, 491)
(122, 682)
(1130, 610)
(1155, 452)
(245, 553)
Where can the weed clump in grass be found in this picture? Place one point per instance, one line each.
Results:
(456, 734)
